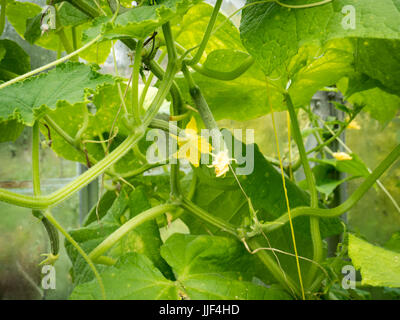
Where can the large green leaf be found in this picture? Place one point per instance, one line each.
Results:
(379, 267)
(274, 34)
(132, 278)
(139, 22)
(204, 268)
(286, 42)
(30, 99)
(214, 268)
(14, 62)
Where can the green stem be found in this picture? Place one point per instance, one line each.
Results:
(61, 60)
(51, 231)
(35, 159)
(206, 35)
(303, 6)
(43, 202)
(314, 221)
(225, 75)
(204, 215)
(3, 4)
(72, 141)
(199, 101)
(334, 137)
(345, 206)
(135, 108)
(168, 79)
(149, 81)
(67, 236)
(65, 42)
(166, 126)
(177, 102)
(175, 91)
(136, 172)
(136, 221)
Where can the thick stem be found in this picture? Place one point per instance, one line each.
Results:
(225, 75)
(167, 82)
(136, 221)
(135, 108)
(314, 221)
(51, 231)
(67, 46)
(43, 202)
(205, 216)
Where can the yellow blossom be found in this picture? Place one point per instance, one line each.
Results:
(191, 145)
(354, 125)
(221, 163)
(341, 156)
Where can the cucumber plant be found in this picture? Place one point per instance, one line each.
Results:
(258, 235)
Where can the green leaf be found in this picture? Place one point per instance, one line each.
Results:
(204, 268)
(33, 31)
(288, 42)
(379, 267)
(355, 166)
(69, 82)
(212, 268)
(10, 130)
(393, 243)
(139, 22)
(15, 60)
(132, 278)
(284, 31)
(382, 105)
(71, 16)
(19, 12)
(380, 60)
(326, 179)
(101, 208)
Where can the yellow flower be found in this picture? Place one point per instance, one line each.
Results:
(341, 156)
(354, 125)
(191, 145)
(221, 163)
